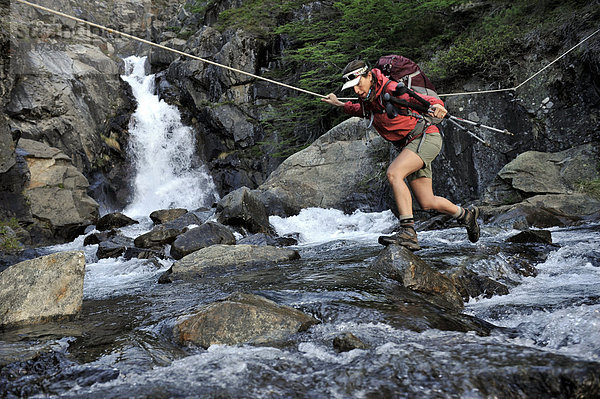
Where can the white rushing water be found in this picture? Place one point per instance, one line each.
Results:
(317, 226)
(167, 173)
(557, 310)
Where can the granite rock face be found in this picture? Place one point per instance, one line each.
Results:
(56, 192)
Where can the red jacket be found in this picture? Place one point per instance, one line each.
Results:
(390, 129)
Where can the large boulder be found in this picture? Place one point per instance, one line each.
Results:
(42, 289)
(242, 208)
(537, 173)
(545, 211)
(56, 192)
(539, 189)
(400, 264)
(342, 170)
(222, 258)
(241, 318)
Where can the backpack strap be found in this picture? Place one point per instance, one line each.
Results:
(409, 78)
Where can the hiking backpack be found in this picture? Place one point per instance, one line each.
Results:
(402, 69)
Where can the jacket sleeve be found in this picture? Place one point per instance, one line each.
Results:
(353, 109)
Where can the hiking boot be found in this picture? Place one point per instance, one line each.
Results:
(407, 237)
(469, 220)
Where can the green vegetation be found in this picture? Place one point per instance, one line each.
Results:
(452, 40)
(590, 187)
(8, 240)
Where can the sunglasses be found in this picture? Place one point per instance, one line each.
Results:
(355, 74)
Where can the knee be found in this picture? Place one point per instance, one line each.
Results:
(394, 176)
(427, 205)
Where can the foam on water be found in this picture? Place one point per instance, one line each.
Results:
(318, 225)
(558, 309)
(113, 277)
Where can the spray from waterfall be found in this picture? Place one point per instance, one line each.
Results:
(167, 172)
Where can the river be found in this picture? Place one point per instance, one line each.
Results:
(120, 346)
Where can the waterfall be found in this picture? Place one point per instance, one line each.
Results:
(167, 172)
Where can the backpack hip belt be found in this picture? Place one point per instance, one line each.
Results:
(418, 130)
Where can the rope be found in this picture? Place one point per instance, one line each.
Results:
(126, 35)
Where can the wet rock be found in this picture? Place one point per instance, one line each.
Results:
(185, 221)
(473, 285)
(167, 215)
(43, 288)
(204, 214)
(114, 221)
(157, 237)
(242, 208)
(144, 253)
(347, 341)
(339, 170)
(209, 233)
(400, 264)
(532, 236)
(415, 311)
(167, 233)
(241, 318)
(522, 265)
(266, 239)
(223, 258)
(47, 372)
(114, 247)
(550, 376)
(98, 237)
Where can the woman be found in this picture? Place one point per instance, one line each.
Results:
(418, 141)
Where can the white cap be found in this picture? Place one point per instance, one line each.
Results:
(354, 77)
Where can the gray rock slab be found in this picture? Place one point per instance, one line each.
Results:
(42, 289)
(218, 258)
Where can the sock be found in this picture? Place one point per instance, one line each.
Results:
(460, 213)
(406, 220)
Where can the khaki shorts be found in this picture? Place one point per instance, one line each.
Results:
(431, 147)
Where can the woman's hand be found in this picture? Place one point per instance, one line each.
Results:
(333, 100)
(438, 111)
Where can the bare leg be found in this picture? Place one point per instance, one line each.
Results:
(404, 164)
(422, 188)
